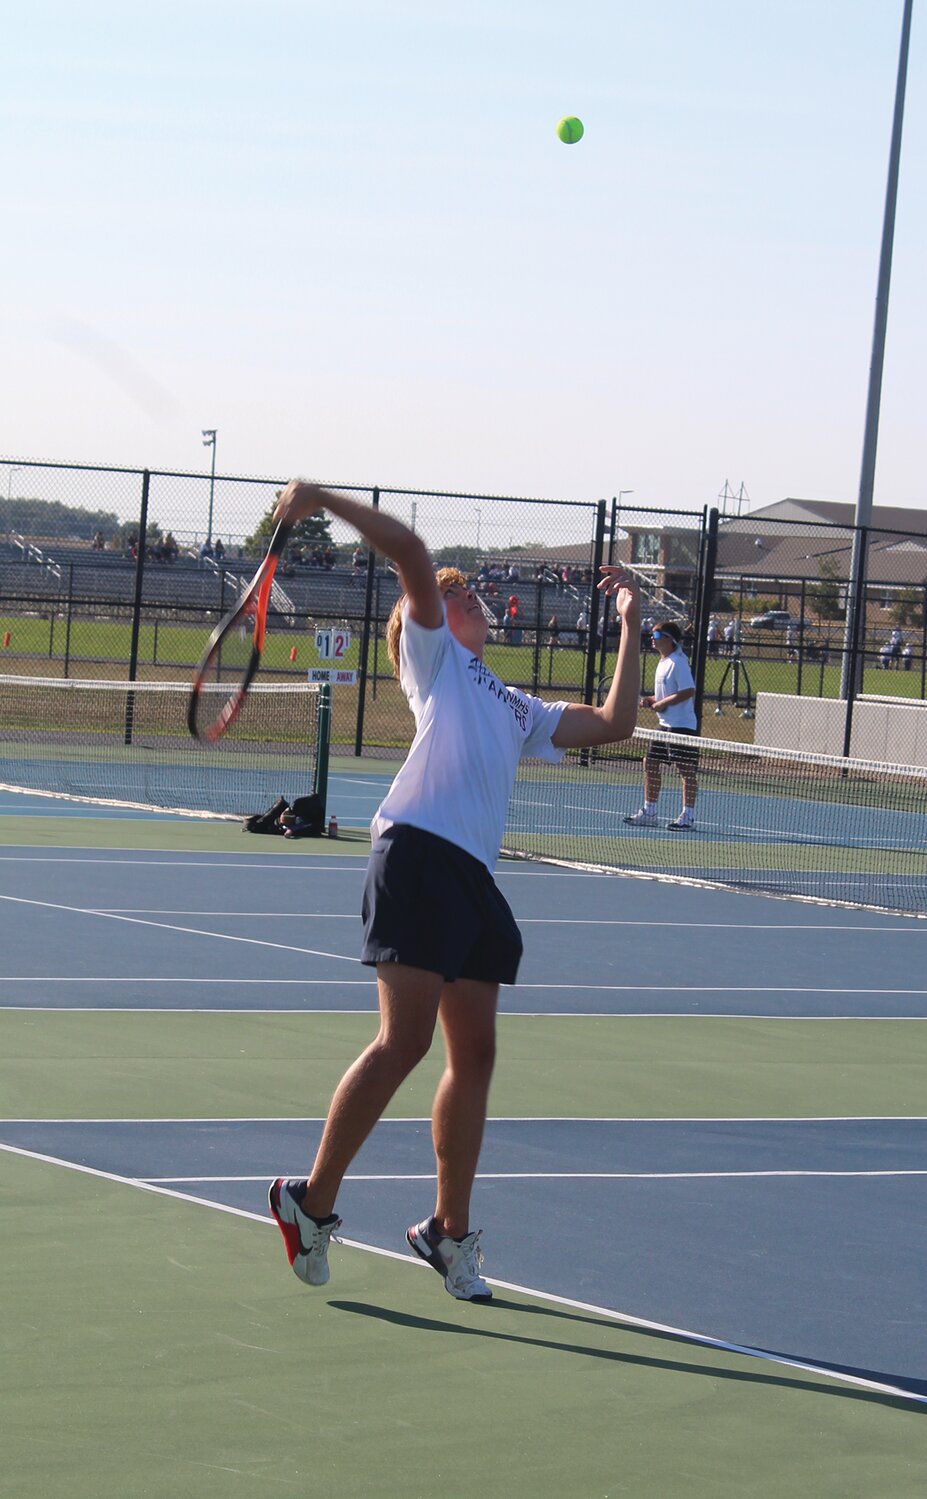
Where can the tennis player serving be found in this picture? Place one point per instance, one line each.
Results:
(440, 934)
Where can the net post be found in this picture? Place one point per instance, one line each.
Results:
(323, 741)
(365, 641)
(703, 612)
(137, 602)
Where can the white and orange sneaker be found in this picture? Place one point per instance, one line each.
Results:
(306, 1239)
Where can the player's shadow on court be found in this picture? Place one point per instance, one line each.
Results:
(623, 1356)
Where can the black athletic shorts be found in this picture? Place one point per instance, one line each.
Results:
(430, 905)
(661, 751)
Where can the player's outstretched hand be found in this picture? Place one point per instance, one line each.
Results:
(621, 585)
(298, 500)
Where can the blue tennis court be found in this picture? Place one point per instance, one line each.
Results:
(708, 1112)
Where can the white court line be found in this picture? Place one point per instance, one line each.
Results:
(273, 862)
(505, 1176)
(512, 1119)
(164, 926)
(66, 1009)
(574, 988)
(722, 926)
(607, 1313)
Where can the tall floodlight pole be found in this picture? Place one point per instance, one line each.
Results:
(209, 441)
(856, 597)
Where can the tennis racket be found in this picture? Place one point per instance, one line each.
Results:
(234, 647)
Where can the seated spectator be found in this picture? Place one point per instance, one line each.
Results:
(329, 558)
(171, 548)
(206, 549)
(359, 560)
(218, 550)
(98, 544)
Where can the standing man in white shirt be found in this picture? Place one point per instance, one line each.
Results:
(438, 931)
(673, 701)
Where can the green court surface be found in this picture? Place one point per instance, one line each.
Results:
(184, 1065)
(155, 1348)
(169, 835)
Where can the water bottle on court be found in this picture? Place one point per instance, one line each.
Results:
(333, 826)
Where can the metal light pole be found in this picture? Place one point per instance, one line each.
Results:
(209, 441)
(14, 468)
(851, 674)
(479, 515)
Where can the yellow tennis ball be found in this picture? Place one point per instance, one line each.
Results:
(570, 130)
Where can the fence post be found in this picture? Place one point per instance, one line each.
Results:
(612, 528)
(536, 664)
(67, 627)
(376, 642)
(137, 602)
(706, 595)
(853, 668)
(924, 643)
(594, 600)
(365, 641)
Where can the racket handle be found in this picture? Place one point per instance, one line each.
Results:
(279, 539)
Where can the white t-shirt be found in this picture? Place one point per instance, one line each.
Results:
(470, 733)
(674, 674)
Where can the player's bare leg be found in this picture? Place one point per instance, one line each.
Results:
(467, 1013)
(409, 1000)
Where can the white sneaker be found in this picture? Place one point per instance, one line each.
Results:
(681, 825)
(306, 1240)
(642, 819)
(457, 1261)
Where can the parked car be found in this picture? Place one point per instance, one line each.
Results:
(773, 619)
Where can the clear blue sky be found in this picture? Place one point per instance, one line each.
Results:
(346, 236)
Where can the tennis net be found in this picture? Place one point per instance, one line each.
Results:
(766, 820)
(127, 744)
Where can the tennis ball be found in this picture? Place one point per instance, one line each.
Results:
(570, 130)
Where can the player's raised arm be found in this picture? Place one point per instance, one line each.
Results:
(383, 532)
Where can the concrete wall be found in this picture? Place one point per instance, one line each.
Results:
(885, 729)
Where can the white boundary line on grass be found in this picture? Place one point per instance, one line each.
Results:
(606, 1313)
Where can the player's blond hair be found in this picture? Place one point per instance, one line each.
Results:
(445, 578)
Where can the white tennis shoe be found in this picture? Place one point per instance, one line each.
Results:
(642, 819)
(457, 1261)
(306, 1239)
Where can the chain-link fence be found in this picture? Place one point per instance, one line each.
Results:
(122, 573)
(810, 610)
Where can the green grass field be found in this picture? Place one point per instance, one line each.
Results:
(100, 649)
